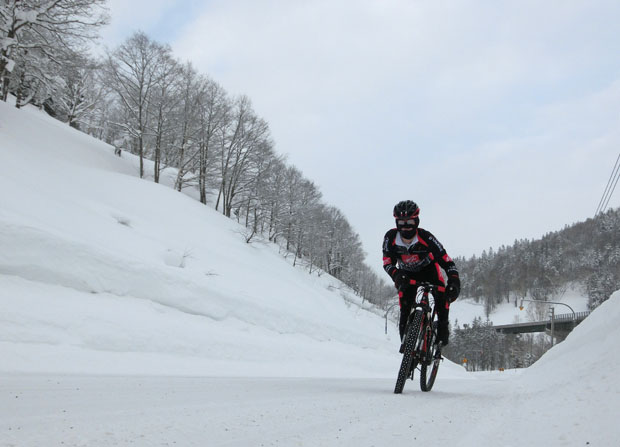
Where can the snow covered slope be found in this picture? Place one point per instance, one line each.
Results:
(571, 396)
(102, 272)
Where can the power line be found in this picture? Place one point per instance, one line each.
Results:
(613, 184)
(609, 182)
(610, 188)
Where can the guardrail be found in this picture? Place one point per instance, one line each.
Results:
(539, 326)
(570, 317)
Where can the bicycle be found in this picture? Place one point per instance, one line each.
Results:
(420, 336)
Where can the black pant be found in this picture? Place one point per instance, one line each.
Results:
(441, 304)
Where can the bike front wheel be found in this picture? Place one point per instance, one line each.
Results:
(429, 368)
(408, 364)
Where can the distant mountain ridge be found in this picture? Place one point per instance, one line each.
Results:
(585, 253)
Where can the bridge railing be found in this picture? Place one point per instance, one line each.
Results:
(529, 326)
(569, 317)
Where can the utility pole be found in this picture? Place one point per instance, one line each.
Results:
(547, 303)
(552, 325)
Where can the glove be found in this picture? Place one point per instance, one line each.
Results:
(453, 289)
(401, 278)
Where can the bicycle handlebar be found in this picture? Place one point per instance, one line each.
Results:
(427, 286)
(423, 288)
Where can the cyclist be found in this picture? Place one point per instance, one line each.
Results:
(410, 252)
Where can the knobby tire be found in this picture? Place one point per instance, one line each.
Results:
(408, 363)
(430, 365)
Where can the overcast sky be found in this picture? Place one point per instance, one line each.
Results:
(501, 119)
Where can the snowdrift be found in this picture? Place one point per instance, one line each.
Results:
(590, 354)
(571, 395)
(103, 272)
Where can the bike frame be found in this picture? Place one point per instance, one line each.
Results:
(427, 307)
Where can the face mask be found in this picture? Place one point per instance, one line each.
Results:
(409, 233)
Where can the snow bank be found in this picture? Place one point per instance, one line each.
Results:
(571, 395)
(102, 272)
(589, 353)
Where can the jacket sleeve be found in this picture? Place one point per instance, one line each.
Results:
(442, 258)
(389, 259)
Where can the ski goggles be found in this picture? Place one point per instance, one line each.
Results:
(405, 223)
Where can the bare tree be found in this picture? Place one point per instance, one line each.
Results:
(165, 100)
(47, 28)
(81, 93)
(274, 200)
(243, 135)
(308, 197)
(132, 75)
(254, 193)
(214, 108)
(189, 85)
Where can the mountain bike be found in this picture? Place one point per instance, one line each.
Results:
(420, 347)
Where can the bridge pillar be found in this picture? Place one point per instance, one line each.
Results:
(559, 334)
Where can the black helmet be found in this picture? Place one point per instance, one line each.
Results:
(406, 209)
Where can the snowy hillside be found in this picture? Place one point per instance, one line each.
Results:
(102, 272)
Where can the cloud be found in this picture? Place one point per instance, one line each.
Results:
(498, 117)
(160, 19)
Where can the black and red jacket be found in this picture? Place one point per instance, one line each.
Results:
(424, 258)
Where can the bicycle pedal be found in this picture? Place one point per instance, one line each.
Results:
(437, 355)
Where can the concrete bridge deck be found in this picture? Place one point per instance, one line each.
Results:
(562, 325)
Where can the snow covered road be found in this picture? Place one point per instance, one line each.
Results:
(154, 411)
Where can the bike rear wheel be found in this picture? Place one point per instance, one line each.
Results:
(408, 364)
